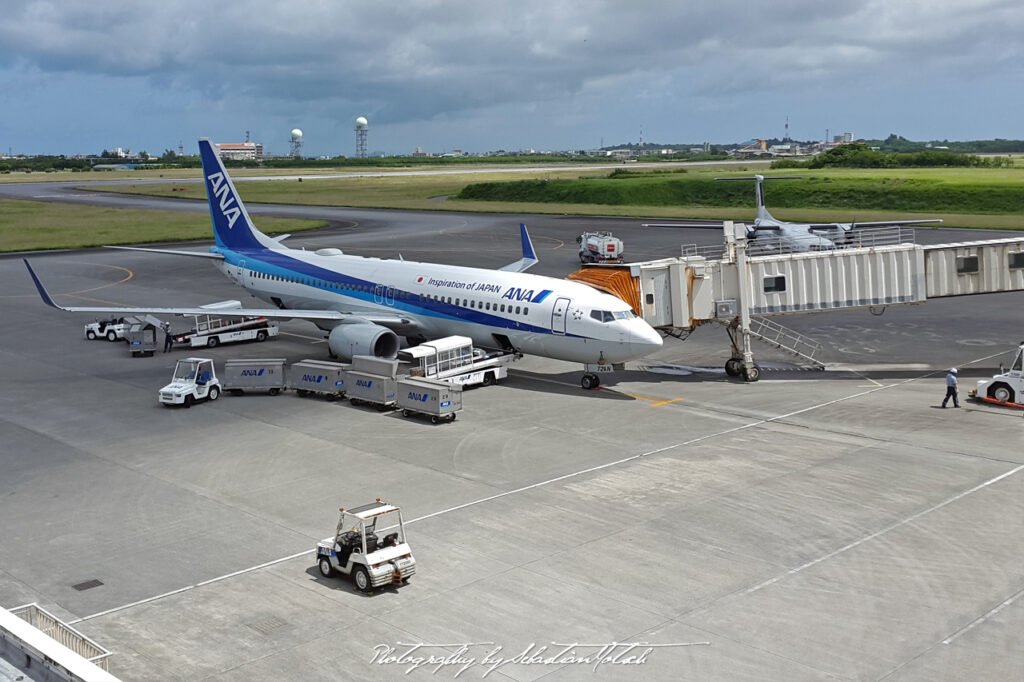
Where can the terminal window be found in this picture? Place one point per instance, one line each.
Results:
(966, 265)
(1017, 260)
(774, 283)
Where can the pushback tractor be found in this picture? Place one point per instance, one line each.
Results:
(1005, 388)
(367, 548)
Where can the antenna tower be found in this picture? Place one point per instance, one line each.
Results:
(362, 136)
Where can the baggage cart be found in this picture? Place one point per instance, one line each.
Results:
(433, 398)
(261, 374)
(370, 389)
(141, 339)
(318, 377)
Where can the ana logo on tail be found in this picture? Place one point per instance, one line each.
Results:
(222, 191)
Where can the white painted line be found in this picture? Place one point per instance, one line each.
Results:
(983, 618)
(885, 530)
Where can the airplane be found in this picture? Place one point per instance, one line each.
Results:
(781, 235)
(364, 304)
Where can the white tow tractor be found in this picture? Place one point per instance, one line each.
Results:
(1005, 388)
(114, 329)
(194, 379)
(358, 551)
(599, 247)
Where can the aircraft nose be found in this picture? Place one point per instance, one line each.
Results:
(645, 338)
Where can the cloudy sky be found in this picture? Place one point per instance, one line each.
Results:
(80, 76)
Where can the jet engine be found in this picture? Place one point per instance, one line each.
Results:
(365, 338)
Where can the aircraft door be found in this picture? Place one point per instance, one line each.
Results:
(558, 313)
(384, 294)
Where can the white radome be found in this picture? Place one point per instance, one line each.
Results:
(296, 134)
(361, 122)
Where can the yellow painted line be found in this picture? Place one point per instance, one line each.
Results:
(654, 401)
(666, 402)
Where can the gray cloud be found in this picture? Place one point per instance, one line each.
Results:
(423, 60)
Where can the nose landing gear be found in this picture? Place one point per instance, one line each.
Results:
(590, 381)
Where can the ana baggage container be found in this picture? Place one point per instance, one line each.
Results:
(372, 365)
(432, 398)
(318, 377)
(373, 389)
(264, 374)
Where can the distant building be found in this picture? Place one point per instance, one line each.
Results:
(241, 151)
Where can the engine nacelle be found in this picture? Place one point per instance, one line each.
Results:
(366, 338)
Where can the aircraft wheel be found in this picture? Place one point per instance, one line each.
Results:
(326, 570)
(733, 367)
(751, 375)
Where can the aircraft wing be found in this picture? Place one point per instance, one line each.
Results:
(877, 223)
(397, 323)
(693, 223)
(172, 252)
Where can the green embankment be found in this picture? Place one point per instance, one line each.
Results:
(35, 225)
(942, 191)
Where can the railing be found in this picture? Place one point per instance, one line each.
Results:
(785, 339)
(831, 240)
(64, 634)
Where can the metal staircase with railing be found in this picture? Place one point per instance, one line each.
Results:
(784, 338)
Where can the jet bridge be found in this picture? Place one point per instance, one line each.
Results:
(676, 295)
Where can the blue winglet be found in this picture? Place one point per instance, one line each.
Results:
(529, 258)
(39, 287)
(528, 253)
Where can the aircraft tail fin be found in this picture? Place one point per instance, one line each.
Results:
(232, 227)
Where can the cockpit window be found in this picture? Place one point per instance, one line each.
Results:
(608, 316)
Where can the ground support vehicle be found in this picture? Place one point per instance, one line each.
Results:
(1005, 388)
(318, 377)
(112, 329)
(209, 332)
(356, 549)
(599, 247)
(263, 374)
(454, 360)
(434, 398)
(371, 381)
(194, 379)
(142, 335)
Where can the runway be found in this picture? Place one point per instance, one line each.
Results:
(811, 526)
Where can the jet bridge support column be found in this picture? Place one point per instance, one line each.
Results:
(742, 360)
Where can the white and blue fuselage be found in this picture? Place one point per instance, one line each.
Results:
(365, 304)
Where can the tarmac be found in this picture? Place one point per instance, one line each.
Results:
(676, 524)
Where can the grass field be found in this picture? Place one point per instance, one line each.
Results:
(984, 198)
(981, 198)
(35, 225)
